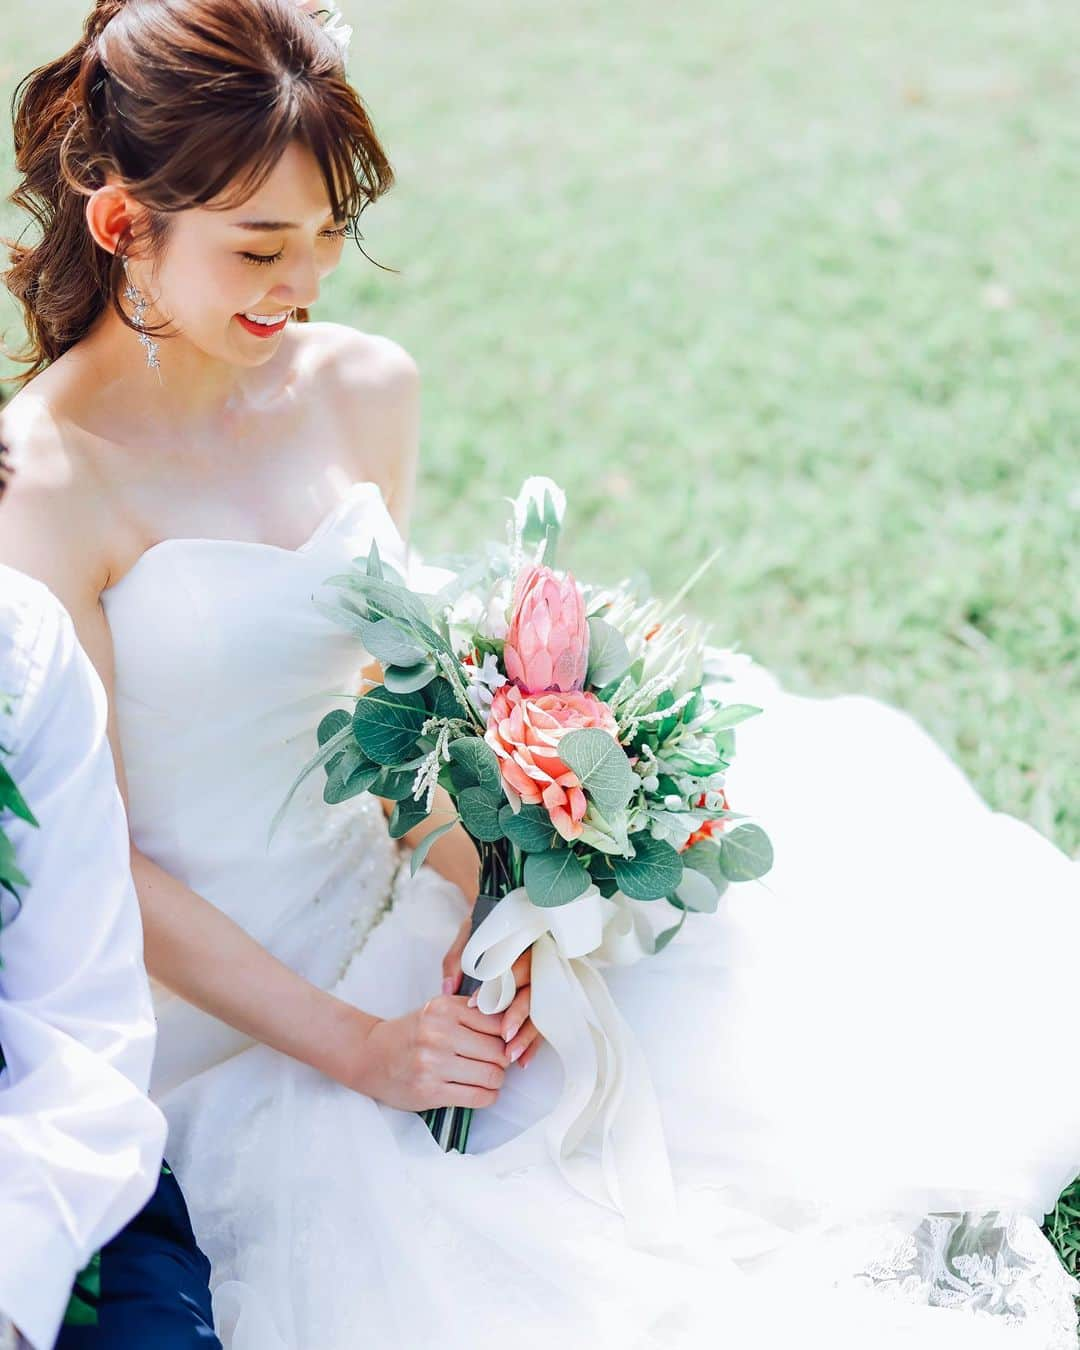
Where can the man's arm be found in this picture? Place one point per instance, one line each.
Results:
(80, 1143)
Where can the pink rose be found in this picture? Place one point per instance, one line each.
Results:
(524, 730)
(547, 644)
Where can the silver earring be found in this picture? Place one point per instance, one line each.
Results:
(132, 293)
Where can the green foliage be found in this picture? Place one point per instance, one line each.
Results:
(480, 814)
(420, 852)
(554, 878)
(387, 725)
(601, 766)
(530, 828)
(405, 815)
(609, 659)
(475, 764)
(653, 871)
(745, 853)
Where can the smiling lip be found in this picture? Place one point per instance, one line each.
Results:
(261, 329)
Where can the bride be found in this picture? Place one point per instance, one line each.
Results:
(865, 1076)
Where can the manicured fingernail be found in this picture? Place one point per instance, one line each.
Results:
(472, 998)
(515, 1052)
(447, 985)
(508, 1036)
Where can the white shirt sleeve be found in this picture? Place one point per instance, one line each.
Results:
(80, 1142)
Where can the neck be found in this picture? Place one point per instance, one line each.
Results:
(190, 395)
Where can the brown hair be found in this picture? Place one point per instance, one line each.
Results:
(184, 100)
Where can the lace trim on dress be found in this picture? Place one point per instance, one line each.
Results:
(989, 1264)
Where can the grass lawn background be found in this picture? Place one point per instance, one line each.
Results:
(801, 278)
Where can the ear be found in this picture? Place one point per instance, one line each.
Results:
(110, 210)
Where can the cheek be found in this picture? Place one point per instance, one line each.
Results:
(198, 289)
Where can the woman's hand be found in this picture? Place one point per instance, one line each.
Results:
(444, 1054)
(521, 1036)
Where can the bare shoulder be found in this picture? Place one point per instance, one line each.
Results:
(54, 518)
(360, 363)
(373, 383)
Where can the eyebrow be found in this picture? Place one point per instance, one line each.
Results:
(267, 225)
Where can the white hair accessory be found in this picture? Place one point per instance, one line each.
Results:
(326, 13)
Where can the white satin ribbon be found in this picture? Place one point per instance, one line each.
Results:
(608, 1102)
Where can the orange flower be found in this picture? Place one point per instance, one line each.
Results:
(524, 730)
(707, 828)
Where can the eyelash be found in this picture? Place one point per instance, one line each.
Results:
(265, 259)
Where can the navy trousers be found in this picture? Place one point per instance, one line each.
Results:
(154, 1284)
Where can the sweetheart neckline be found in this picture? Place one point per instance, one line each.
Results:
(329, 519)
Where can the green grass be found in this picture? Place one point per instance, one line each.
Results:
(799, 277)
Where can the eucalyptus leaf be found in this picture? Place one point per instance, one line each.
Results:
(333, 723)
(386, 641)
(325, 752)
(662, 939)
(530, 828)
(387, 724)
(441, 699)
(408, 679)
(697, 892)
(341, 612)
(554, 878)
(422, 849)
(479, 814)
(609, 656)
(405, 815)
(475, 764)
(746, 853)
(384, 599)
(653, 871)
(601, 766)
(344, 782)
(394, 784)
(704, 857)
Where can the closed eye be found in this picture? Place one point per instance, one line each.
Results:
(265, 259)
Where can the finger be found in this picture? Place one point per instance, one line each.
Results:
(522, 968)
(478, 1072)
(476, 1045)
(522, 1041)
(480, 1021)
(456, 1094)
(515, 1014)
(531, 1052)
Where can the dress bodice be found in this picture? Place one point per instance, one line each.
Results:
(224, 667)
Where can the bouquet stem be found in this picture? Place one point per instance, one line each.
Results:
(450, 1124)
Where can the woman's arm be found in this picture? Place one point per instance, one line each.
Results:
(208, 959)
(190, 945)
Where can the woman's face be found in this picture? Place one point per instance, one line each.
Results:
(262, 259)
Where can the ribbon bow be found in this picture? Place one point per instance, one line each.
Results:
(607, 1091)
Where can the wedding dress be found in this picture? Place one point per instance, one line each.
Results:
(864, 1062)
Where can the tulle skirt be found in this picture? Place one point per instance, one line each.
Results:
(864, 1069)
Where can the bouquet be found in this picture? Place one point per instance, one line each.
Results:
(572, 730)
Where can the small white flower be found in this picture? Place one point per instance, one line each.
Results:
(483, 681)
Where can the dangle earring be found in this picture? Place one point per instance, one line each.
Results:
(132, 293)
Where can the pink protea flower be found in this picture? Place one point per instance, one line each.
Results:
(547, 643)
(524, 730)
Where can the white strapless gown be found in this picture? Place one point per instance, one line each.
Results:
(865, 1065)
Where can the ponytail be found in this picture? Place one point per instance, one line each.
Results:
(64, 281)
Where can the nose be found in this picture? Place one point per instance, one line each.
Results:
(300, 285)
